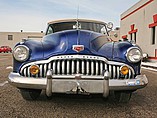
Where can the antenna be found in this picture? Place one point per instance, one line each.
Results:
(78, 8)
(77, 22)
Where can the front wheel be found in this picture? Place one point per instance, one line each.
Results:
(30, 94)
(122, 96)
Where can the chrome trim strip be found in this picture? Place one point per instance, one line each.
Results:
(74, 57)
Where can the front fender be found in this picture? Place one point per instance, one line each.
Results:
(35, 53)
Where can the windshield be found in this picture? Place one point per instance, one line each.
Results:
(92, 26)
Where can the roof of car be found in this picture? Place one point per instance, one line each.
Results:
(73, 20)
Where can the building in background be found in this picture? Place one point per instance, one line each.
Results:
(139, 23)
(11, 38)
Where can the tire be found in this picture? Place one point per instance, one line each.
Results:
(122, 96)
(30, 94)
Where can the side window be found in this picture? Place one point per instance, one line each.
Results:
(133, 33)
(50, 30)
(153, 35)
(153, 27)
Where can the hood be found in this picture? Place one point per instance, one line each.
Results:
(62, 43)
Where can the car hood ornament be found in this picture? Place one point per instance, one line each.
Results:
(78, 48)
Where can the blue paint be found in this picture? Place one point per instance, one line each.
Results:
(61, 43)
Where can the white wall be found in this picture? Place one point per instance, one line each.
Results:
(141, 14)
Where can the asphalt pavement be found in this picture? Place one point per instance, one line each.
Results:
(143, 103)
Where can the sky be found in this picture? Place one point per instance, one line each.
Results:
(33, 15)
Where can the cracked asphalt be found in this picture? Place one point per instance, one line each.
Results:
(143, 103)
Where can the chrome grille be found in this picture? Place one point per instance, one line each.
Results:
(77, 64)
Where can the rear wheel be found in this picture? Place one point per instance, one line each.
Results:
(122, 96)
(30, 94)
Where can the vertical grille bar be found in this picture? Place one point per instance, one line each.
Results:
(106, 66)
(87, 64)
(97, 68)
(72, 67)
(92, 68)
(110, 71)
(101, 68)
(54, 67)
(118, 75)
(68, 66)
(114, 72)
(49, 66)
(58, 67)
(77, 66)
(45, 69)
(25, 71)
(63, 67)
(28, 72)
(83, 69)
(41, 70)
(129, 74)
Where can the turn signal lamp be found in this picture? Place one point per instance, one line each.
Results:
(34, 69)
(124, 70)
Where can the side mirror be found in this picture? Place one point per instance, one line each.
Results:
(103, 30)
(110, 25)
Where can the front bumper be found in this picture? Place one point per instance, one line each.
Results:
(56, 84)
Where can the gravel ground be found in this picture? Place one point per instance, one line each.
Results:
(12, 105)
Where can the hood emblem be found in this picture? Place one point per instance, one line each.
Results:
(78, 48)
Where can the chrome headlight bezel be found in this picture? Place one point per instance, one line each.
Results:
(21, 53)
(134, 54)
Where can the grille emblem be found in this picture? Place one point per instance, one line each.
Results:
(78, 48)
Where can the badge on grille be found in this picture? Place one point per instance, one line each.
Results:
(78, 48)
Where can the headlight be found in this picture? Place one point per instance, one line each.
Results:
(21, 53)
(134, 54)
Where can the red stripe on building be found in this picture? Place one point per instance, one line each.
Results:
(152, 58)
(137, 9)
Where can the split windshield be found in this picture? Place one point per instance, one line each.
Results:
(57, 27)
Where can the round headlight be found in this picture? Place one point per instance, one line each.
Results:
(21, 53)
(134, 55)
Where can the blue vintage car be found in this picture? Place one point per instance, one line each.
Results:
(76, 56)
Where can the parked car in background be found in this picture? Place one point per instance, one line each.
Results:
(77, 57)
(5, 49)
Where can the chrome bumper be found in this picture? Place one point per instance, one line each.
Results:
(101, 84)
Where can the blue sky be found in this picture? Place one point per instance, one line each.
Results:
(33, 15)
